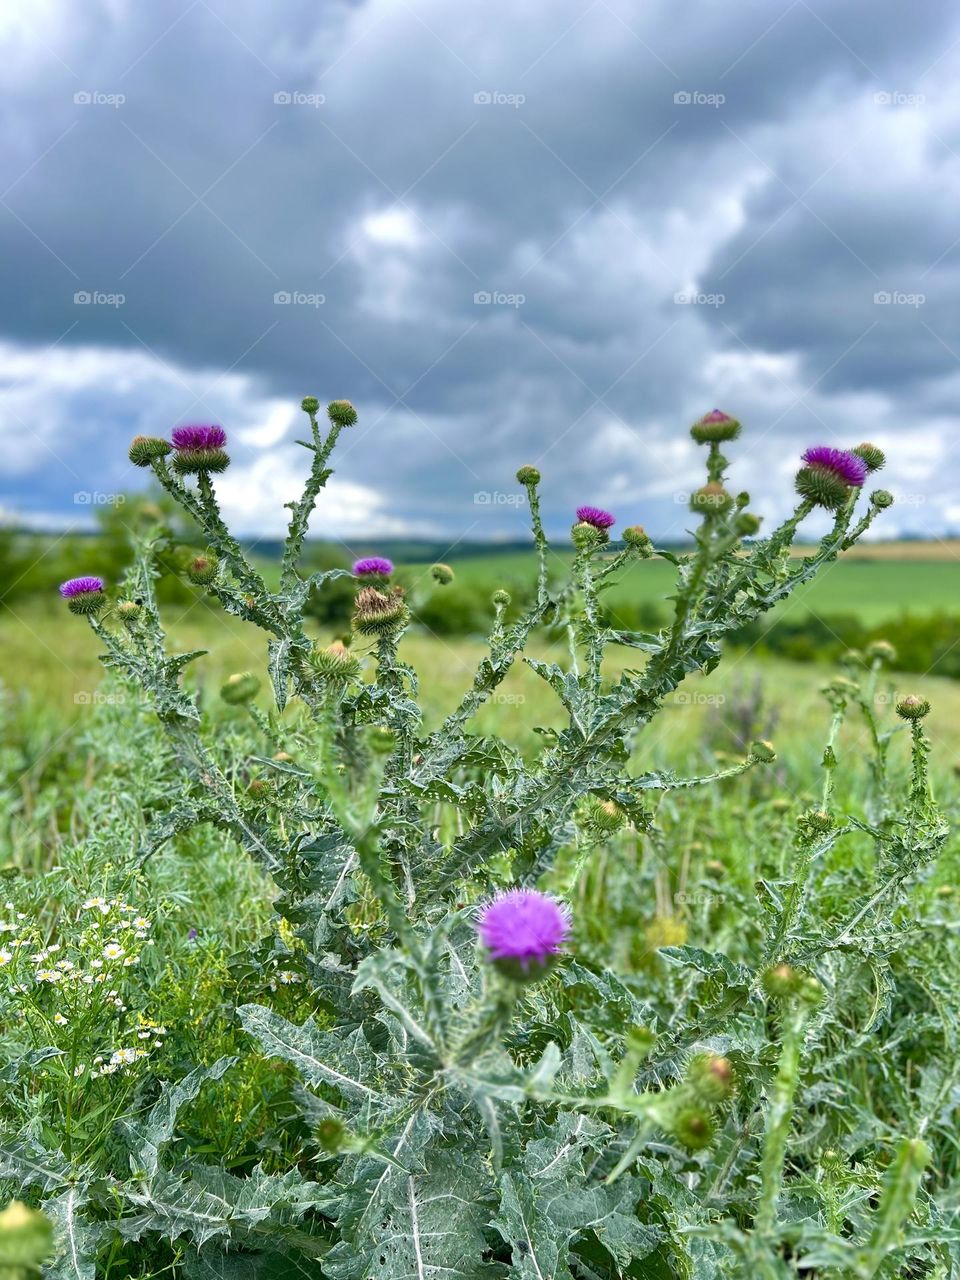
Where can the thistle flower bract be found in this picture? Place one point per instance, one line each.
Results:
(442, 574)
(242, 686)
(84, 595)
(373, 567)
(199, 448)
(597, 517)
(342, 413)
(146, 449)
(522, 932)
(873, 457)
(377, 614)
(715, 427)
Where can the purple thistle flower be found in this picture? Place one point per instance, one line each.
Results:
(848, 467)
(373, 566)
(80, 586)
(596, 516)
(199, 437)
(522, 931)
(716, 415)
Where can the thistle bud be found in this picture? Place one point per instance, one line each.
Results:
(501, 598)
(712, 497)
(528, 476)
(782, 981)
(128, 611)
(84, 596)
(912, 707)
(715, 868)
(202, 569)
(881, 499)
(259, 788)
(693, 1127)
(817, 822)
(636, 536)
(747, 524)
(331, 1135)
(874, 458)
(241, 687)
(335, 662)
(442, 574)
(26, 1241)
(710, 1077)
(763, 751)
(146, 449)
(310, 404)
(882, 651)
(377, 614)
(342, 413)
(715, 427)
(584, 535)
(382, 740)
(603, 816)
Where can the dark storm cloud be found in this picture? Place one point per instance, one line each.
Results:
(586, 189)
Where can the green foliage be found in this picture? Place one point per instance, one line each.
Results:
(714, 1083)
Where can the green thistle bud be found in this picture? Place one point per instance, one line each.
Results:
(603, 816)
(712, 497)
(636, 536)
(259, 788)
(377, 614)
(881, 499)
(586, 535)
(823, 487)
(763, 751)
(528, 476)
(747, 524)
(382, 740)
(882, 651)
(242, 686)
(693, 1128)
(442, 574)
(146, 449)
(342, 413)
(715, 427)
(715, 868)
(335, 662)
(811, 992)
(331, 1135)
(501, 598)
(202, 569)
(128, 611)
(310, 404)
(26, 1241)
(912, 707)
(782, 981)
(874, 458)
(817, 822)
(188, 462)
(710, 1077)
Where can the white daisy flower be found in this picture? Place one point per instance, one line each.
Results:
(5, 956)
(60, 1020)
(112, 951)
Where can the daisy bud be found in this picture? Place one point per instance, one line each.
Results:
(241, 687)
(202, 570)
(199, 449)
(377, 614)
(874, 458)
(310, 404)
(146, 449)
(341, 413)
(912, 708)
(522, 932)
(710, 1077)
(528, 476)
(712, 497)
(442, 574)
(715, 427)
(84, 595)
(882, 498)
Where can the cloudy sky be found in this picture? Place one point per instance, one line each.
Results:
(550, 232)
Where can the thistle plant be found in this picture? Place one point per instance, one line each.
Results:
(488, 1088)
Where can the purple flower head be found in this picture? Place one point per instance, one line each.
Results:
(198, 438)
(522, 931)
(716, 415)
(596, 516)
(848, 467)
(373, 566)
(80, 586)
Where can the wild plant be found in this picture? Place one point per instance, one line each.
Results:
(488, 1088)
